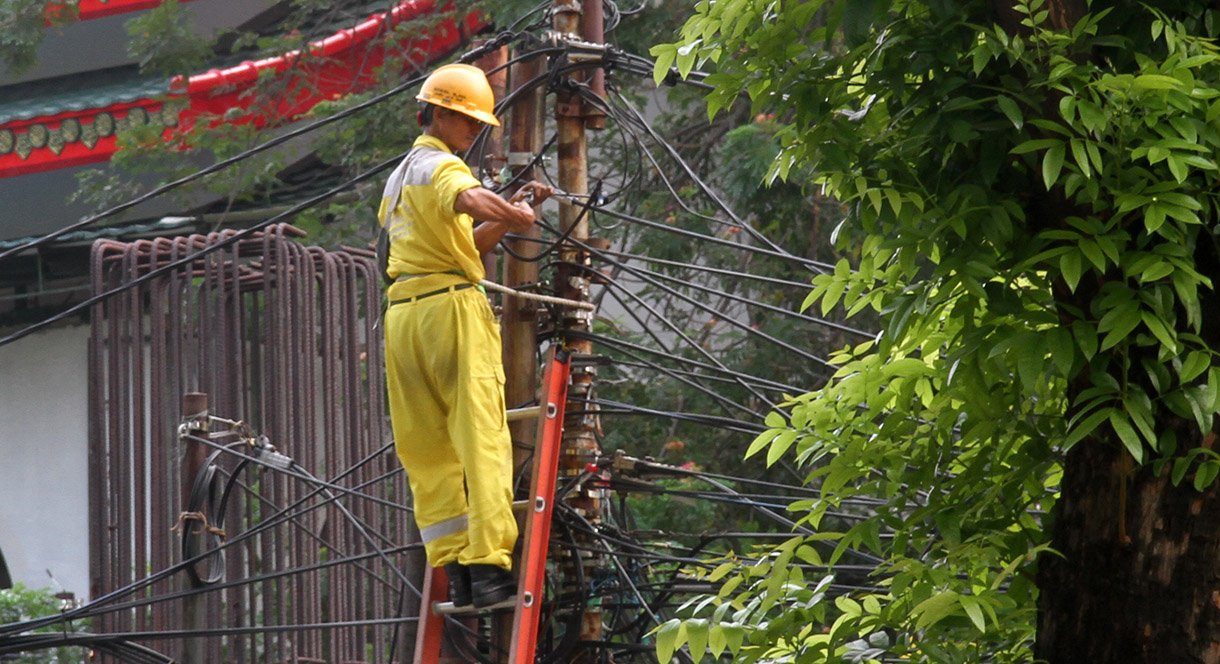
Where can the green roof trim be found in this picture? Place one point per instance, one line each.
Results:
(78, 92)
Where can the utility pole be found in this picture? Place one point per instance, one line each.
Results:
(519, 331)
(520, 316)
(494, 145)
(580, 446)
(194, 605)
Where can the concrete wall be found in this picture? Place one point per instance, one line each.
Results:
(43, 459)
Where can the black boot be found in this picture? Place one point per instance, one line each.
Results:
(491, 585)
(459, 584)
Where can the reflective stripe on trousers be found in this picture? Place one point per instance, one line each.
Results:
(445, 383)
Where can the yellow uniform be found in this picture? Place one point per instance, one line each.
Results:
(444, 374)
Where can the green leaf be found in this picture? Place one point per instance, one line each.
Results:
(717, 641)
(669, 637)
(1123, 320)
(973, 611)
(1127, 434)
(696, 637)
(1052, 163)
(734, 634)
(1196, 363)
(665, 54)
(935, 608)
(1086, 337)
(1063, 350)
(1036, 144)
(1010, 110)
(1081, 155)
(721, 571)
(1156, 270)
(1154, 217)
(1177, 168)
(1093, 252)
(1206, 474)
(780, 445)
(1155, 82)
(1180, 466)
(1163, 334)
(1087, 427)
(1070, 267)
(760, 441)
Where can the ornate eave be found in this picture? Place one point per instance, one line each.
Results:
(340, 64)
(87, 9)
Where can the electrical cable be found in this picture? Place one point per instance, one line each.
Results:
(694, 418)
(745, 328)
(707, 191)
(192, 257)
(563, 236)
(759, 381)
(698, 347)
(772, 308)
(742, 275)
(469, 56)
(157, 576)
(619, 548)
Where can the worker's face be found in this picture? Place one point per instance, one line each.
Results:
(457, 130)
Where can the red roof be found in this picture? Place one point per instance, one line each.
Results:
(343, 63)
(98, 8)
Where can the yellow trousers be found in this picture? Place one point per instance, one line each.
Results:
(445, 381)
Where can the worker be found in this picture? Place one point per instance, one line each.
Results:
(444, 373)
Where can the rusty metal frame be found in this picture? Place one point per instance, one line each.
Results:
(281, 336)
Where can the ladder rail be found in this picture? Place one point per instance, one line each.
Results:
(543, 483)
(527, 609)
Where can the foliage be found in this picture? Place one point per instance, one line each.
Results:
(730, 156)
(18, 604)
(23, 26)
(164, 42)
(1032, 196)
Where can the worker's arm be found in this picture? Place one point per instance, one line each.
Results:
(504, 216)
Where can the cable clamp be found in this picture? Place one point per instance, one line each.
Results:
(268, 455)
(520, 158)
(196, 422)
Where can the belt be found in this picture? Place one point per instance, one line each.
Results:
(405, 276)
(447, 289)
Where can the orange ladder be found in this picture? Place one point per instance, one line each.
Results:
(527, 605)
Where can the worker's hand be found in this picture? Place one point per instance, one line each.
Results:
(533, 192)
(525, 217)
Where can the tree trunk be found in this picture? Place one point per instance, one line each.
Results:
(1139, 576)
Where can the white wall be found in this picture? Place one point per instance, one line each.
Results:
(44, 458)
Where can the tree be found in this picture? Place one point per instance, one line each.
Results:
(1033, 186)
(22, 28)
(20, 603)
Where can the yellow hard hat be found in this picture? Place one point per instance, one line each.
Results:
(461, 88)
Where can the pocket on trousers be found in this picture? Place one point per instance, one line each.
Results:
(489, 401)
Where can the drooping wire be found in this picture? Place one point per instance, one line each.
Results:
(469, 56)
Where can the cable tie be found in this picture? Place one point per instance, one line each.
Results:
(202, 518)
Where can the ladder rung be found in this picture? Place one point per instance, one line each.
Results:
(518, 414)
(447, 608)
